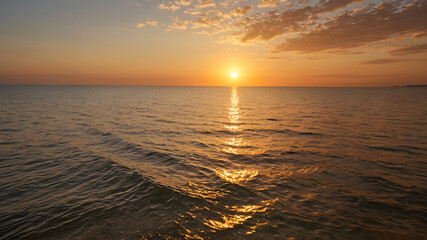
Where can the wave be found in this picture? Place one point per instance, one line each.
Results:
(394, 149)
(8, 143)
(284, 131)
(102, 186)
(255, 131)
(9, 130)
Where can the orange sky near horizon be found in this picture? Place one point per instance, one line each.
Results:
(345, 43)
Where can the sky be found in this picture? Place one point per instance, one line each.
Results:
(320, 43)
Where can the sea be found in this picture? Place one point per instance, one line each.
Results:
(139, 162)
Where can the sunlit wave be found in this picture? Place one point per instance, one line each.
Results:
(235, 142)
(233, 128)
(237, 176)
(201, 191)
(240, 215)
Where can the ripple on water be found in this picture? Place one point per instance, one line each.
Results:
(212, 163)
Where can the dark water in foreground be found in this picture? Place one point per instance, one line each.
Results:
(212, 163)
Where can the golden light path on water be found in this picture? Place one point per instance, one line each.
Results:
(239, 213)
(235, 144)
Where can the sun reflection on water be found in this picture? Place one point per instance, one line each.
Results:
(237, 145)
(234, 125)
(235, 142)
(240, 215)
(234, 112)
(230, 215)
(237, 176)
(201, 191)
(233, 128)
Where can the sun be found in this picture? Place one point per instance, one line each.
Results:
(234, 75)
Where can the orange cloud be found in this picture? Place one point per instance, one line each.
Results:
(178, 24)
(174, 5)
(350, 30)
(268, 3)
(152, 23)
(385, 61)
(332, 27)
(421, 48)
(240, 11)
(205, 4)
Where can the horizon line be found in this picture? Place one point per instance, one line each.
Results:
(130, 85)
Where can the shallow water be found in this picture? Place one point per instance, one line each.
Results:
(85, 162)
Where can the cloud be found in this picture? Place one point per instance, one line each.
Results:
(383, 61)
(152, 23)
(184, 2)
(268, 3)
(209, 19)
(140, 25)
(205, 4)
(329, 27)
(373, 25)
(178, 24)
(332, 5)
(174, 5)
(240, 11)
(169, 7)
(337, 24)
(389, 60)
(421, 48)
(206, 22)
(274, 23)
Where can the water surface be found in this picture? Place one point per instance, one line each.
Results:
(85, 162)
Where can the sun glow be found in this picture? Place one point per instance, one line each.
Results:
(234, 75)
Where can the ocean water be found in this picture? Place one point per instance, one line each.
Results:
(98, 162)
